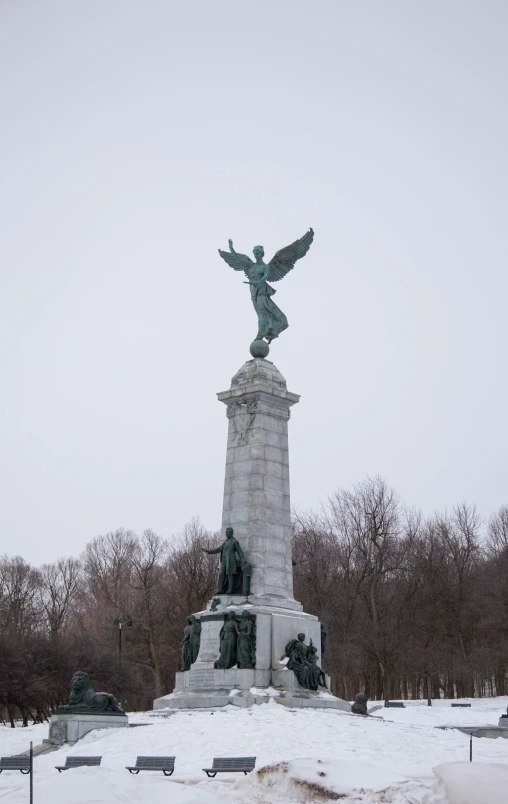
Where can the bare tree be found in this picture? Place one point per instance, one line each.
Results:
(59, 588)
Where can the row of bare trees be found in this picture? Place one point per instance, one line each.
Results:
(61, 617)
(413, 607)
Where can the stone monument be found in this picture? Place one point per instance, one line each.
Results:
(253, 618)
(87, 710)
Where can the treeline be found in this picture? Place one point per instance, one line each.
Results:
(413, 607)
(61, 618)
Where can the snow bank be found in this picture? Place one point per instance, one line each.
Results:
(402, 744)
(470, 783)
(111, 786)
(304, 780)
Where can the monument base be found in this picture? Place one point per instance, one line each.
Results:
(219, 698)
(213, 689)
(71, 728)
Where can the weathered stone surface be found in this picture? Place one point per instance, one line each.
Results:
(70, 728)
(314, 700)
(291, 695)
(256, 489)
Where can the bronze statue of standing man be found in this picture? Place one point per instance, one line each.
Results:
(231, 562)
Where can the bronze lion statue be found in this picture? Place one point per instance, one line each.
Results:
(84, 699)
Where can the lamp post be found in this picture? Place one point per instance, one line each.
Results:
(120, 623)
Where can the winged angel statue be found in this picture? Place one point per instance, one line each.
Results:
(271, 320)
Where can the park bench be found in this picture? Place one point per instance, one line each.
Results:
(231, 765)
(164, 764)
(15, 763)
(394, 704)
(460, 704)
(78, 762)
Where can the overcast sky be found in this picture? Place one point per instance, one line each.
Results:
(136, 138)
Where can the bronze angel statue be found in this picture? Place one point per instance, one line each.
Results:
(271, 320)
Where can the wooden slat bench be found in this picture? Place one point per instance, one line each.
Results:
(15, 763)
(78, 762)
(461, 705)
(164, 764)
(231, 765)
(395, 704)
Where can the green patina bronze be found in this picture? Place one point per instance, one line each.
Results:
(84, 700)
(231, 562)
(191, 642)
(303, 663)
(237, 642)
(271, 320)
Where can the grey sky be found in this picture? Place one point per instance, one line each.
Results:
(136, 138)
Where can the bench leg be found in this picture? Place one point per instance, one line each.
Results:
(25, 771)
(211, 775)
(167, 773)
(133, 770)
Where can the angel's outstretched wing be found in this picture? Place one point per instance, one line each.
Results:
(240, 262)
(285, 259)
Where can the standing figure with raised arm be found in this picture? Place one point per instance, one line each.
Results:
(231, 561)
(271, 320)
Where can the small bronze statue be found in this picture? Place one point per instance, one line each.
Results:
(246, 644)
(84, 700)
(360, 705)
(303, 663)
(237, 642)
(231, 562)
(195, 639)
(315, 672)
(190, 643)
(228, 637)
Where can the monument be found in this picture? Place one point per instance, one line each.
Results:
(252, 634)
(87, 710)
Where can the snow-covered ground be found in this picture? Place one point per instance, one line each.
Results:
(386, 758)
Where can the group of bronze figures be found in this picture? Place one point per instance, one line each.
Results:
(302, 660)
(237, 642)
(237, 639)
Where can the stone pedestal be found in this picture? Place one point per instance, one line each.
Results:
(257, 506)
(70, 728)
(256, 488)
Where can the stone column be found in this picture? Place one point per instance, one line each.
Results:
(256, 488)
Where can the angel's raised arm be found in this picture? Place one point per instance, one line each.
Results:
(240, 262)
